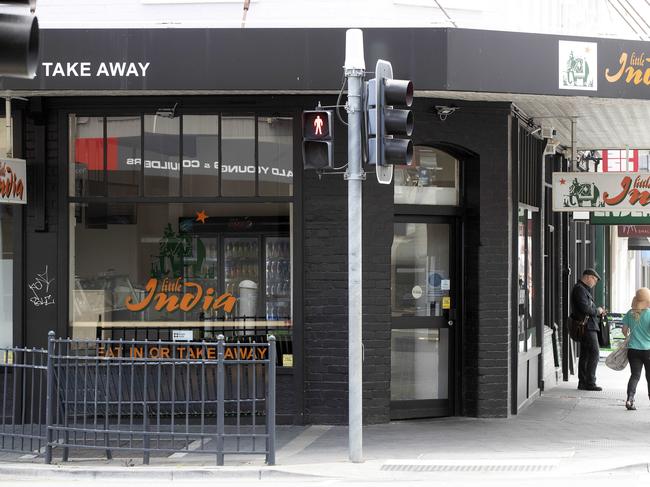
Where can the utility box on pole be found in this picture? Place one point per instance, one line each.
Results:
(18, 38)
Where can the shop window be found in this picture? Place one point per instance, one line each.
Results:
(275, 143)
(233, 156)
(432, 179)
(200, 155)
(123, 155)
(238, 156)
(161, 156)
(183, 271)
(527, 321)
(87, 153)
(6, 275)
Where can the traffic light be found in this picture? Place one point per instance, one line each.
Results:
(18, 38)
(387, 124)
(317, 139)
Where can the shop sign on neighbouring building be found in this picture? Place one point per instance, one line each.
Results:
(634, 230)
(588, 191)
(13, 181)
(632, 218)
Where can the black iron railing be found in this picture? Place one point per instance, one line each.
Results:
(152, 397)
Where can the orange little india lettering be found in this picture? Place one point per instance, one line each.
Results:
(10, 185)
(640, 196)
(192, 296)
(633, 67)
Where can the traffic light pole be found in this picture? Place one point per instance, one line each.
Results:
(354, 72)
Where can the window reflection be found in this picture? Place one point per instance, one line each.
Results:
(238, 156)
(87, 156)
(432, 179)
(200, 155)
(124, 156)
(420, 269)
(161, 155)
(275, 142)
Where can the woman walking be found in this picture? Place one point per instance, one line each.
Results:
(637, 323)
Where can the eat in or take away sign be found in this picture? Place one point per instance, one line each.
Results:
(590, 191)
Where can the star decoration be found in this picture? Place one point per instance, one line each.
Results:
(201, 216)
(562, 181)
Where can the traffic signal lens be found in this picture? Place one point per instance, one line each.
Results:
(398, 122)
(316, 126)
(317, 154)
(398, 151)
(398, 92)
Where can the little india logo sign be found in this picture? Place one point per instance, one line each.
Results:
(173, 295)
(13, 181)
(631, 68)
(600, 191)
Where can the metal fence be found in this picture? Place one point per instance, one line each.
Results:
(140, 397)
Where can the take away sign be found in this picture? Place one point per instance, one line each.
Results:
(591, 191)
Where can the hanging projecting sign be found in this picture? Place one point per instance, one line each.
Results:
(13, 181)
(585, 191)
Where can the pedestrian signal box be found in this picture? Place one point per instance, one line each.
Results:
(317, 138)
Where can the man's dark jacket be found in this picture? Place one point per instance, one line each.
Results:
(582, 304)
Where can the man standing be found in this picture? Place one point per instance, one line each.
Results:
(582, 305)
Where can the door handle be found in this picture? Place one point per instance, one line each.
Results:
(450, 322)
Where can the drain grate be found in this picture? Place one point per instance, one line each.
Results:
(446, 467)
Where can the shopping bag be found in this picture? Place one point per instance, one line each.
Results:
(577, 329)
(617, 360)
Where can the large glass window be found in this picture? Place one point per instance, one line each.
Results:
(6, 275)
(164, 271)
(527, 320)
(432, 179)
(192, 155)
(183, 269)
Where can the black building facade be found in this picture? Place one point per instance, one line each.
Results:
(165, 176)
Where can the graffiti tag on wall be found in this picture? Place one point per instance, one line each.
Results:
(42, 289)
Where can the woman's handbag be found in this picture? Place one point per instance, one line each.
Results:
(617, 360)
(577, 329)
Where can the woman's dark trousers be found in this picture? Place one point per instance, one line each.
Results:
(638, 359)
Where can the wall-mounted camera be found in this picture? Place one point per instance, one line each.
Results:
(548, 132)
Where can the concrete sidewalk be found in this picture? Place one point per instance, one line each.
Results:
(564, 432)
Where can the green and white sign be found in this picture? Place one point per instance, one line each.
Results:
(620, 218)
(601, 192)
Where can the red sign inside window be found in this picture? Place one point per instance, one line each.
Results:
(620, 160)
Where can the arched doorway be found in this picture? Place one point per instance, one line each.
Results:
(426, 291)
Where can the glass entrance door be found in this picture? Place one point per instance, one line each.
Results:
(424, 308)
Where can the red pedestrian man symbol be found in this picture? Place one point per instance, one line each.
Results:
(318, 125)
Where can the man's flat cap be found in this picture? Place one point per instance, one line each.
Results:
(591, 272)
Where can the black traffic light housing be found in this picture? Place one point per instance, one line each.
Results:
(387, 124)
(18, 39)
(318, 139)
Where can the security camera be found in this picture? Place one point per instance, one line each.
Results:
(548, 132)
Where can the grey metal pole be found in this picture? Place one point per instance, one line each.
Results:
(270, 404)
(354, 72)
(10, 140)
(49, 399)
(574, 152)
(221, 397)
